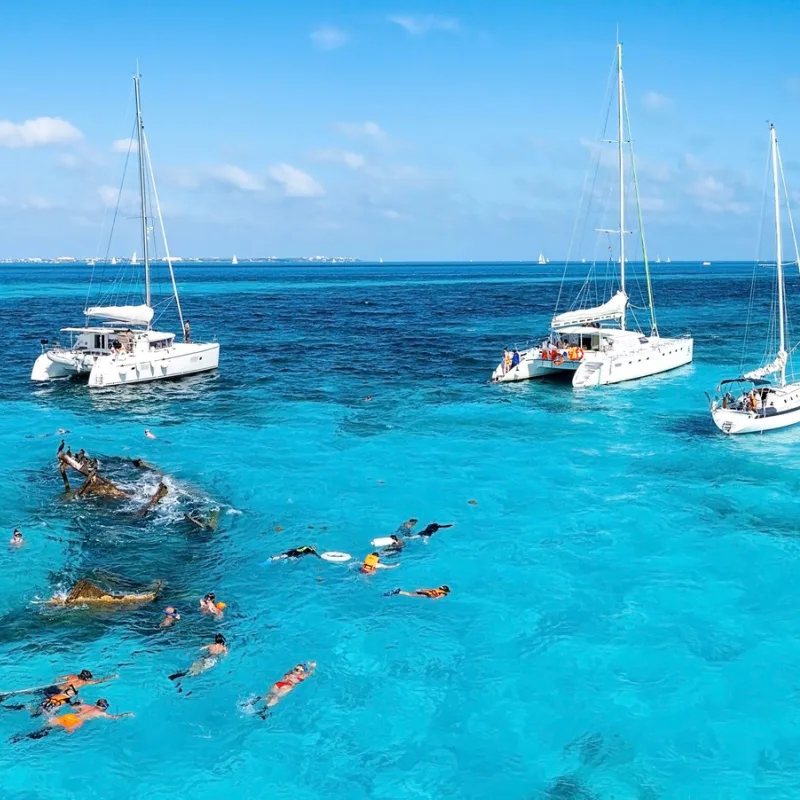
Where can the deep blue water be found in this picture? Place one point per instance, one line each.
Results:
(623, 621)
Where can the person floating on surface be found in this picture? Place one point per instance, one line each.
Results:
(296, 675)
(429, 530)
(59, 685)
(431, 594)
(171, 616)
(395, 547)
(209, 605)
(16, 539)
(405, 528)
(372, 563)
(51, 704)
(213, 653)
(74, 719)
(296, 552)
(149, 434)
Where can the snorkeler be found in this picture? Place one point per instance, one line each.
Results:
(16, 539)
(407, 527)
(149, 434)
(209, 605)
(83, 678)
(372, 563)
(431, 594)
(74, 719)
(171, 616)
(296, 552)
(213, 653)
(51, 704)
(292, 678)
(429, 530)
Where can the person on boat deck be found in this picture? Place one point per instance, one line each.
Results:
(515, 358)
(296, 552)
(187, 331)
(506, 360)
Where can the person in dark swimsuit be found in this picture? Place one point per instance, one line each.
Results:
(296, 552)
(429, 530)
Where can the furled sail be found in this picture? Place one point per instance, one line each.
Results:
(613, 309)
(130, 315)
(776, 366)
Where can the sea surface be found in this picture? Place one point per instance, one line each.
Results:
(624, 618)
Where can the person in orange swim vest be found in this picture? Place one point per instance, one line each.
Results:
(74, 719)
(373, 562)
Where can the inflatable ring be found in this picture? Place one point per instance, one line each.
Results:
(579, 354)
(553, 355)
(558, 360)
(335, 557)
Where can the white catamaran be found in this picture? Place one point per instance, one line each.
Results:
(578, 346)
(752, 403)
(125, 349)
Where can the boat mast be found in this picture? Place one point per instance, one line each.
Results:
(621, 180)
(142, 193)
(778, 250)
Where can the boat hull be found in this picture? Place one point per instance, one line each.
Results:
(782, 410)
(656, 356)
(178, 361)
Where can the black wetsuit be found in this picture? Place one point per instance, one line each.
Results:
(298, 552)
(429, 530)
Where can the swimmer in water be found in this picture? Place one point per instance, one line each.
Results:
(372, 563)
(406, 528)
(431, 594)
(213, 653)
(296, 675)
(149, 434)
(83, 678)
(16, 539)
(51, 704)
(171, 616)
(74, 719)
(209, 605)
(429, 530)
(296, 552)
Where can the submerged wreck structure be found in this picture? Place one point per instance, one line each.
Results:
(84, 592)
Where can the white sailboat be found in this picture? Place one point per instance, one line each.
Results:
(578, 346)
(658, 259)
(113, 261)
(234, 260)
(761, 400)
(134, 262)
(124, 348)
(542, 259)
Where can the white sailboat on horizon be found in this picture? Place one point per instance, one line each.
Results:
(760, 401)
(578, 347)
(124, 348)
(134, 262)
(542, 259)
(234, 260)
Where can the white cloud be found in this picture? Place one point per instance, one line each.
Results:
(715, 196)
(361, 130)
(128, 199)
(68, 160)
(38, 132)
(652, 204)
(335, 156)
(295, 182)
(236, 177)
(124, 145)
(38, 203)
(329, 38)
(422, 24)
(390, 213)
(655, 101)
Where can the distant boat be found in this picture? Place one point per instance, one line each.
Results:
(583, 261)
(133, 258)
(542, 259)
(380, 260)
(706, 263)
(669, 260)
(658, 259)
(234, 260)
(113, 260)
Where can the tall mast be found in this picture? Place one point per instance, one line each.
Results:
(142, 191)
(778, 249)
(620, 144)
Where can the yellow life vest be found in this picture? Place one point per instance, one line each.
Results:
(370, 563)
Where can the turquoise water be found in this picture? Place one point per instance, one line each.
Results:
(622, 622)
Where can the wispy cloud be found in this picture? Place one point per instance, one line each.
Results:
(336, 156)
(715, 196)
(226, 175)
(38, 132)
(361, 130)
(655, 101)
(125, 145)
(419, 25)
(329, 38)
(295, 182)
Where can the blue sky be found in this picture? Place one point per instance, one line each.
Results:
(415, 131)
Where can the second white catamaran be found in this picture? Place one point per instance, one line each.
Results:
(124, 348)
(579, 347)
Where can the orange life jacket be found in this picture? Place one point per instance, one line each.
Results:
(370, 563)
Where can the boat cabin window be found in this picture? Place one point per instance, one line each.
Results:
(160, 344)
(595, 342)
(642, 340)
(99, 341)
